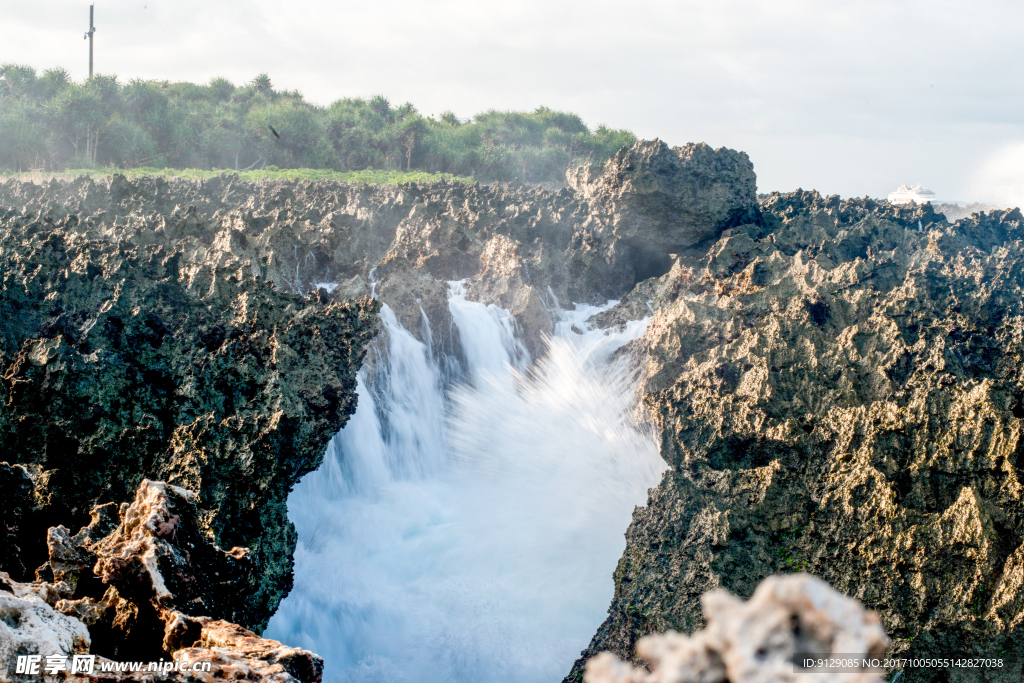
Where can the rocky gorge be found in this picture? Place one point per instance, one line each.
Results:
(834, 385)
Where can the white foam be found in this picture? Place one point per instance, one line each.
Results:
(470, 537)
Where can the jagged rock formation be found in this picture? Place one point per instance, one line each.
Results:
(838, 390)
(516, 246)
(837, 385)
(661, 202)
(207, 334)
(140, 584)
(28, 625)
(128, 353)
(789, 619)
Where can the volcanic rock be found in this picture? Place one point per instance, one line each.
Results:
(662, 200)
(141, 347)
(838, 391)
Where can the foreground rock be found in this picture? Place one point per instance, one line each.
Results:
(143, 584)
(788, 619)
(235, 653)
(838, 391)
(28, 625)
(136, 585)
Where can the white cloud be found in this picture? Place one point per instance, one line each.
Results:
(848, 96)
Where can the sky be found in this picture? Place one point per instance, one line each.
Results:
(849, 98)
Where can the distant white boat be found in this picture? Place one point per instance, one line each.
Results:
(910, 195)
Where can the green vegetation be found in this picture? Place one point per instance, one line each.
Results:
(50, 123)
(787, 549)
(369, 177)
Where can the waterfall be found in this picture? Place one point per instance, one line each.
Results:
(470, 535)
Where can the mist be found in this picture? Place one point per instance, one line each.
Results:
(999, 179)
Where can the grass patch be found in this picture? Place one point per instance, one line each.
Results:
(369, 177)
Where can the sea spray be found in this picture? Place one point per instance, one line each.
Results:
(470, 537)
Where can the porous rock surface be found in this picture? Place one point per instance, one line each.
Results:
(137, 584)
(838, 390)
(30, 626)
(174, 355)
(136, 344)
(516, 246)
(789, 619)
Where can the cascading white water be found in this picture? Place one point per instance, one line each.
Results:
(470, 537)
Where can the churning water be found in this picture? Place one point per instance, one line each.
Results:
(469, 532)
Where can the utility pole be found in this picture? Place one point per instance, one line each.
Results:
(92, 30)
(90, 144)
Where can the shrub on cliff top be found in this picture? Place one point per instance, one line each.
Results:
(51, 123)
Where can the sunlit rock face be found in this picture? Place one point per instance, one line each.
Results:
(30, 626)
(838, 391)
(143, 583)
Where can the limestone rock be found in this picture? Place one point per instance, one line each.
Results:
(138, 342)
(30, 626)
(788, 619)
(235, 653)
(838, 391)
(663, 200)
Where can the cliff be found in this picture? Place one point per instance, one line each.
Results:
(131, 353)
(836, 386)
(176, 354)
(838, 391)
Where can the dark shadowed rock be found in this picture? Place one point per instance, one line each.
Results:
(139, 345)
(17, 503)
(662, 200)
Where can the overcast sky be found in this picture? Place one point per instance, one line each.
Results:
(851, 98)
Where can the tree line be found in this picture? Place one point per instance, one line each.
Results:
(48, 122)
